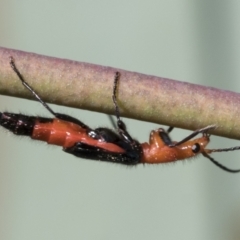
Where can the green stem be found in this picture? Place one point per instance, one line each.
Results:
(143, 97)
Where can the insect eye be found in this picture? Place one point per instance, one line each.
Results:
(196, 148)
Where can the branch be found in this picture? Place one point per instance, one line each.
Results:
(143, 97)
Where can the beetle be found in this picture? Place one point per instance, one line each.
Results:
(105, 144)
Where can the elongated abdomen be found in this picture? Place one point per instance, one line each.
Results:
(67, 134)
(53, 131)
(20, 124)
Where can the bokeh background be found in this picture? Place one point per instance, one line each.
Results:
(48, 194)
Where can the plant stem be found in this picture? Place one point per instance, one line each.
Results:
(143, 97)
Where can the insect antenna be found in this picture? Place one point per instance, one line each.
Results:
(223, 149)
(220, 165)
(25, 84)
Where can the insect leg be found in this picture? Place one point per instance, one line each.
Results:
(57, 115)
(26, 85)
(120, 124)
(170, 129)
(193, 134)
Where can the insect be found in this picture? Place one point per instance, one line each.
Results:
(104, 144)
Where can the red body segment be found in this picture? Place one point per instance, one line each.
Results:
(156, 151)
(66, 134)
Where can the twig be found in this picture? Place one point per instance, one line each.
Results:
(143, 97)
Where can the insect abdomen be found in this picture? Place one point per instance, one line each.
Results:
(19, 124)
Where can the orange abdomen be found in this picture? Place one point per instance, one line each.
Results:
(66, 134)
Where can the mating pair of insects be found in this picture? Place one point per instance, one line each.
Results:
(104, 144)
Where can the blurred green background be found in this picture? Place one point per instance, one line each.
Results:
(48, 194)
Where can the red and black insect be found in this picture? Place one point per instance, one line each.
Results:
(104, 144)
